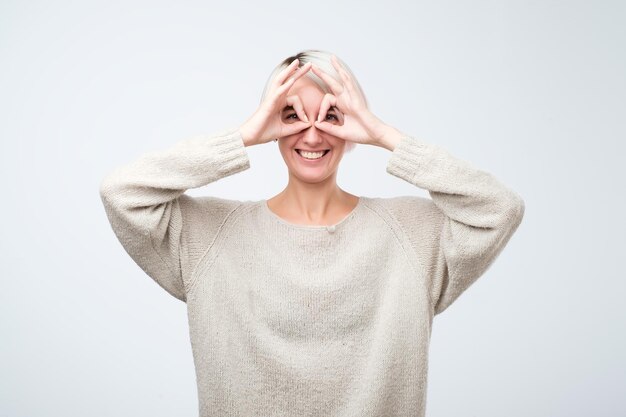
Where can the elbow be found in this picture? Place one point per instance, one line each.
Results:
(113, 185)
(504, 212)
(515, 213)
(105, 189)
(110, 191)
(520, 208)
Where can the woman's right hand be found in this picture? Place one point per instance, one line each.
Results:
(265, 124)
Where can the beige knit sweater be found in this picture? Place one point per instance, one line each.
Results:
(296, 320)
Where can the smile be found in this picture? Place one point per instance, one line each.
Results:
(312, 156)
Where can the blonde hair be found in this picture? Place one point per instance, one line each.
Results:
(321, 59)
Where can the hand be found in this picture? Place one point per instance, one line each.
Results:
(359, 124)
(265, 124)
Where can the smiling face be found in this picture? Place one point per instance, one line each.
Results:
(310, 166)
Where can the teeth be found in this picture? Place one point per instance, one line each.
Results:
(311, 155)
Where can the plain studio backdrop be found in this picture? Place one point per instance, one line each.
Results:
(533, 92)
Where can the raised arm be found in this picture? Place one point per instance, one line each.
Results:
(165, 231)
(150, 214)
(472, 215)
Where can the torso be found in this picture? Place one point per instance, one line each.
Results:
(314, 314)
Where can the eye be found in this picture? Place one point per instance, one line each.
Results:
(332, 116)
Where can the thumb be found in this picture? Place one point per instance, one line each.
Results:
(294, 128)
(329, 128)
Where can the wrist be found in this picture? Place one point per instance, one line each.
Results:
(248, 138)
(390, 138)
(374, 127)
(382, 134)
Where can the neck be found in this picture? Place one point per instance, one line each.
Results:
(318, 203)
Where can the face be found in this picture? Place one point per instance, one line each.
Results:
(309, 167)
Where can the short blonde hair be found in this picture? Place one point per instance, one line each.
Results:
(321, 59)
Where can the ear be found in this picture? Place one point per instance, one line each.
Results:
(349, 146)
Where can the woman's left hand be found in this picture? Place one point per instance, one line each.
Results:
(359, 124)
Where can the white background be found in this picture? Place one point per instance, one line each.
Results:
(533, 92)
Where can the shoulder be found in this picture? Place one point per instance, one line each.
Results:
(207, 204)
(207, 213)
(417, 217)
(407, 208)
(203, 219)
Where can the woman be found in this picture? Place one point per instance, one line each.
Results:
(315, 301)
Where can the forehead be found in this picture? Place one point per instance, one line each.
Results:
(307, 90)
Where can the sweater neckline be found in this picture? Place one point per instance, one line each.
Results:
(330, 228)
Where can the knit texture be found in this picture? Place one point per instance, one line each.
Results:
(299, 320)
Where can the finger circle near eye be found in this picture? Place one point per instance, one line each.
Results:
(327, 101)
(296, 103)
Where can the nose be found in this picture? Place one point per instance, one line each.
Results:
(312, 136)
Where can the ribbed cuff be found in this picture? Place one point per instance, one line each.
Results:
(230, 152)
(409, 158)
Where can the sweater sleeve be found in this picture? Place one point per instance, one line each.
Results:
(471, 216)
(149, 212)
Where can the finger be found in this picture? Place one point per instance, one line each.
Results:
(286, 72)
(330, 128)
(285, 87)
(340, 116)
(297, 105)
(275, 97)
(338, 67)
(349, 82)
(294, 128)
(302, 70)
(334, 85)
(327, 101)
(299, 72)
(343, 73)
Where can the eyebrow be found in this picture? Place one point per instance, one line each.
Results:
(287, 108)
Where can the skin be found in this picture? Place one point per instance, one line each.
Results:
(298, 112)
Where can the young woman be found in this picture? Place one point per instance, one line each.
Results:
(315, 301)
